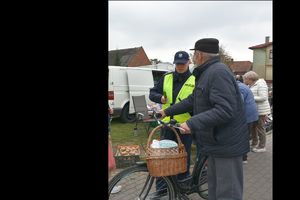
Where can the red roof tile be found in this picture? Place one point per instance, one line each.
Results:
(261, 45)
(241, 66)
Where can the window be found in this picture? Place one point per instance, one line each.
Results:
(271, 54)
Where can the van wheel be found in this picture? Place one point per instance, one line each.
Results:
(125, 116)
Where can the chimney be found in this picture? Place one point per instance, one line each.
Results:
(267, 39)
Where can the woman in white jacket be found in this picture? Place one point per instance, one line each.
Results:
(259, 89)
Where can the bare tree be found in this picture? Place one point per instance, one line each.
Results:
(225, 56)
(155, 61)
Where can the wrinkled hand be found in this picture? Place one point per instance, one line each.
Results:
(186, 128)
(163, 99)
(162, 112)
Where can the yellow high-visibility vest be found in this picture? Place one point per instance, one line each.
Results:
(184, 92)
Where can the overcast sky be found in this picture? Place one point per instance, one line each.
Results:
(164, 27)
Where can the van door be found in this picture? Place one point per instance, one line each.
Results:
(139, 81)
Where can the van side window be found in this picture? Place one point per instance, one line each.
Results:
(157, 75)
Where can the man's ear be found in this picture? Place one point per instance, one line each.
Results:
(201, 55)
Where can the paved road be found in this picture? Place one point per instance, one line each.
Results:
(257, 175)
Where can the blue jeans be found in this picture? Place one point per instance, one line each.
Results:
(186, 139)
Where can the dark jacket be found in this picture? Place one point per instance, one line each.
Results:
(219, 123)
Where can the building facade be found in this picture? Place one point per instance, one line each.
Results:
(263, 60)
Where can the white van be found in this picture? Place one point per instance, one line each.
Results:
(124, 82)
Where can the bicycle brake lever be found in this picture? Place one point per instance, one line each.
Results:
(181, 130)
(177, 126)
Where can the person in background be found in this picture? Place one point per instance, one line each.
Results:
(174, 87)
(259, 89)
(250, 106)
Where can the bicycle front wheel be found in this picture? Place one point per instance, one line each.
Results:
(136, 183)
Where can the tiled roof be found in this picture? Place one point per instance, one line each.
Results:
(241, 66)
(261, 45)
(124, 55)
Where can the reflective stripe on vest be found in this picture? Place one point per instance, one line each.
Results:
(184, 92)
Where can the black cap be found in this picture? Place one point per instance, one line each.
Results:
(208, 45)
(181, 57)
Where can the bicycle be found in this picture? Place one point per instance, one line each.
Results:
(137, 183)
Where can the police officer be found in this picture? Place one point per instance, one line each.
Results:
(170, 89)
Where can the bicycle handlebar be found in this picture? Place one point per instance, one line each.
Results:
(173, 123)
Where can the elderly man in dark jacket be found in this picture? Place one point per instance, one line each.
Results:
(219, 124)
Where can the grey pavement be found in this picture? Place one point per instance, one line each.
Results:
(257, 175)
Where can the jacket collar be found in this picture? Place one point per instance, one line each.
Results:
(201, 68)
(181, 76)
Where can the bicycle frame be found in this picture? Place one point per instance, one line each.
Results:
(190, 185)
(187, 186)
(181, 187)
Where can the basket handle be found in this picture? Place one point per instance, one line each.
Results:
(180, 145)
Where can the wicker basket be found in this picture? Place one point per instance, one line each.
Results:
(166, 161)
